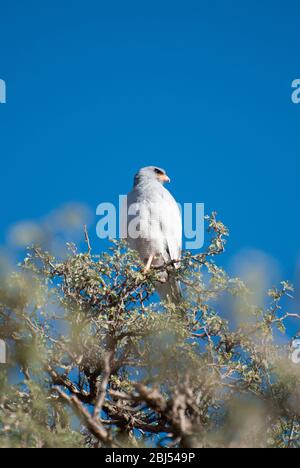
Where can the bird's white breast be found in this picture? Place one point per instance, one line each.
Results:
(154, 223)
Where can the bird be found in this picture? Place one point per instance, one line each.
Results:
(154, 228)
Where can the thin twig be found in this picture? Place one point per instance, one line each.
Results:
(87, 239)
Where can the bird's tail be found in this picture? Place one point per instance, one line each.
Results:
(170, 290)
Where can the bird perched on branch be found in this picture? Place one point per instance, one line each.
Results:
(154, 227)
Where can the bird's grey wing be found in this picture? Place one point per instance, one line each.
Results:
(172, 226)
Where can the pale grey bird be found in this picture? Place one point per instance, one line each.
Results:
(154, 227)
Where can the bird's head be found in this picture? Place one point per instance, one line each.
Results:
(151, 173)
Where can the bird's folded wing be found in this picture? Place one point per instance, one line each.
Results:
(172, 227)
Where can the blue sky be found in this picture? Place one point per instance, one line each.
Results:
(97, 89)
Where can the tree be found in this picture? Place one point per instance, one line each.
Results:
(87, 339)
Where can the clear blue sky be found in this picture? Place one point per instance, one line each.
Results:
(97, 89)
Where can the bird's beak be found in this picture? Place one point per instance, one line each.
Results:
(164, 178)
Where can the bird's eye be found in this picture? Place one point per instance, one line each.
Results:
(158, 171)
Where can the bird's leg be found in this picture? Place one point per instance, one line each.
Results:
(149, 263)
